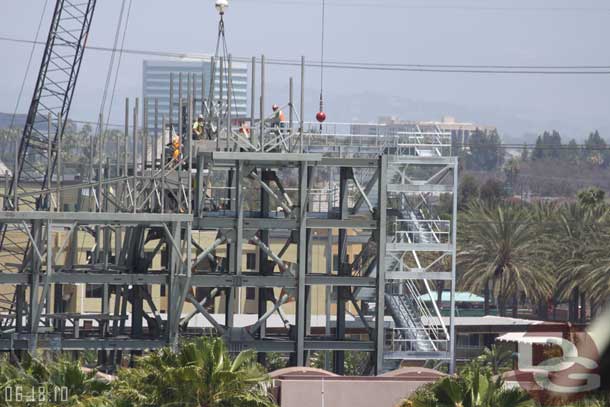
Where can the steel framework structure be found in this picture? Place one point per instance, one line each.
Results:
(141, 221)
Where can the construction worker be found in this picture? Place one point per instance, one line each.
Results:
(278, 118)
(244, 130)
(176, 145)
(198, 128)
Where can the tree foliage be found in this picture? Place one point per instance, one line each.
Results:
(473, 387)
(200, 374)
(485, 150)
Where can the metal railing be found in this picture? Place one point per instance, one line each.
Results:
(407, 339)
(422, 231)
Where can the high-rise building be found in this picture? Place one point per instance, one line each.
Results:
(156, 84)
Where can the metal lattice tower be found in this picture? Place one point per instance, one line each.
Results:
(183, 221)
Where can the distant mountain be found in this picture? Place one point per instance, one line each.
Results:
(515, 125)
(6, 118)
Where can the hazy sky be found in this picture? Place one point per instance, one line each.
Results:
(494, 32)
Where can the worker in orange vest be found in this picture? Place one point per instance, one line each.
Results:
(176, 145)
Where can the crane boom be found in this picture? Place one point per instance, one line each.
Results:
(61, 63)
(55, 85)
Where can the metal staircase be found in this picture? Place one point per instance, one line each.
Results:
(419, 331)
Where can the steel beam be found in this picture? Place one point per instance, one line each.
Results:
(381, 235)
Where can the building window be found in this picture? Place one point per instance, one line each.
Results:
(250, 293)
(162, 290)
(251, 261)
(94, 291)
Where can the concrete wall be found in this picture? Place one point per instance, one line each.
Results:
(345, 392)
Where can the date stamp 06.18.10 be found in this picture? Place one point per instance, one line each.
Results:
(42, 394)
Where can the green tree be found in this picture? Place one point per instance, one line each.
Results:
(591, 197)
(595, 150)
(573, 152)
(492, 191)
(468, 191)
(496, 358)
(486, 152)
(512, 168)
(35, 377)
(354, 365)
(473, 387)
(579, 251)
(200, 374)
(548, 146)
(499, 254)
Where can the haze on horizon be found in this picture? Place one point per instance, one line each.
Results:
(494, 32)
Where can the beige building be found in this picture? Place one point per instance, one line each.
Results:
(387, 125)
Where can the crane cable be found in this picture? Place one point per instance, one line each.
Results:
(118, 67)
(115, 48)
(322, 61)
(100, 127)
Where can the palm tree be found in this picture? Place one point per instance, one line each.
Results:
(56, 382)
(200, 374)
(474, 387)
(581, 254)
(496, 358)
(499, 254)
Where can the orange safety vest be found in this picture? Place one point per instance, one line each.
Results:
(176, 145)
(282, 117)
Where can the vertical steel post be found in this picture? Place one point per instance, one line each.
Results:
(342, 292)
(163, 125)
(144, 134)
(7, 198)
(328, 291)
(239, 229)
(453, 267)
(202, 92)
(262, 104)
(302, 262)
(381, 249)
(290, 104)
(171, 108)
(220, 104)
(302, 107)
(156, 138)
(181, 137)
(60, 169)
(135, 154)
(125, 169)
(49, 185)
(100, 146)
(229, 101)
(180, 106)
(15, 173)
(231, 258)
(263, 261)
(189, 138)
(98, 192)
(35, 264)
(253, 100)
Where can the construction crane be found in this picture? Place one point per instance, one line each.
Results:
(37, 155)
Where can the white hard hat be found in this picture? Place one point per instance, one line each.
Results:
(201, 116)
(221, 5)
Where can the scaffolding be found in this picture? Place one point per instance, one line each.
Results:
(150, 216)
